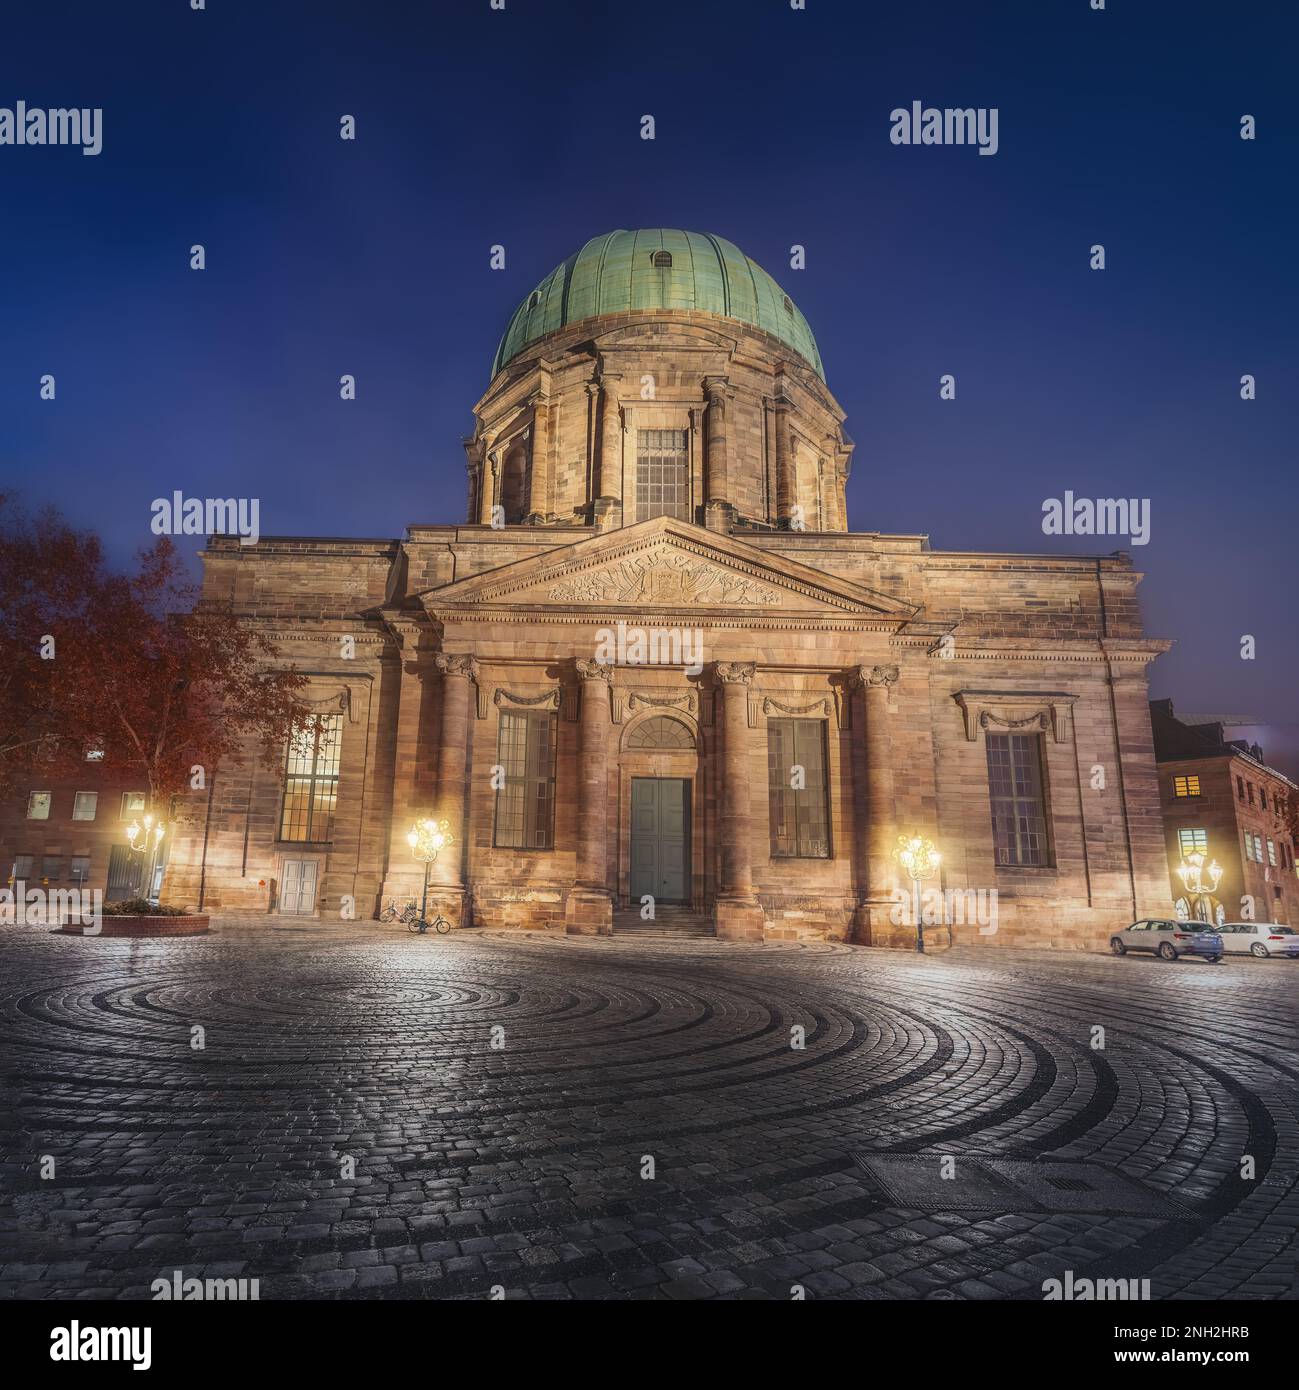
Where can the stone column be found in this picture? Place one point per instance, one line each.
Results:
(738, 915)
(539, 467)
(786, 479)
(879, 833)
(718, 509)
(589, 909)
(447, 876)
(608, 484)
(488, 474)
(411, 792)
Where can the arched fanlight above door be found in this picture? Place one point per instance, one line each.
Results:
(661, 732)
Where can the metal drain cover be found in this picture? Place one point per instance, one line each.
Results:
(984, 1183)
(915, 1180)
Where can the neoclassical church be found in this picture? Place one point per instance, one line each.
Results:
(653, 676)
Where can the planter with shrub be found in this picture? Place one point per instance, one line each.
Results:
(140, 917)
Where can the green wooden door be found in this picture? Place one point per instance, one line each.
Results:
(660, 839)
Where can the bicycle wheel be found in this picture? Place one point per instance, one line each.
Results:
(442, 925)
(415, 924)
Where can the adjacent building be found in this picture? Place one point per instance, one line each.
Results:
(1223, 802)
(653, 669)
(71, 832)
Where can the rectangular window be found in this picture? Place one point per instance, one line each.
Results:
(525, 801)
(662, 474)
(1020, 833)
(52, 867)
(83, 807)
(1240, 789)
(1258, 849)
(1262, 797)
(1249, 847)
(1271, 852)
(133, 804)
(1186, 786)
(797, 789)
(80, 868)
(1249, 792)
(23, 864)
(38, 806)
(1189, 840)
(311, 780)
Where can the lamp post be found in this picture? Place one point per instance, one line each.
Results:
(145, 840)
(426, 838)
(1194, 873)
(919, 860)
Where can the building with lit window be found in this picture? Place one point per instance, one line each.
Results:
(654, 669)
(1223, 801)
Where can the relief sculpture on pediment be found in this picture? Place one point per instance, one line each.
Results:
(663, 577)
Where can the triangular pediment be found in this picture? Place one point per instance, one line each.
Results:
(665, 565)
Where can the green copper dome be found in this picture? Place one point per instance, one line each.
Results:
(622, 271)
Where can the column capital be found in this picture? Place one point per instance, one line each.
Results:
(715, 386)
(735, 672)
(866, 676)
(456, 664)
(590, 670)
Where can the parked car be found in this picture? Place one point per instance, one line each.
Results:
(1168, 939)
(1259, 939)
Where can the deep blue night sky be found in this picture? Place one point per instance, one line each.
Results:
(522, 127)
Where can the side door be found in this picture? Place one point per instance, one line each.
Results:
(298, 887)
(1138, 938)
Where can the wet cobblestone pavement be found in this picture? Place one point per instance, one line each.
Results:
(520, 1167)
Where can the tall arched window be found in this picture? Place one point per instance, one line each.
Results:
(514, 483)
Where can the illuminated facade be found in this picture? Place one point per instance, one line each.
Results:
(654, 666)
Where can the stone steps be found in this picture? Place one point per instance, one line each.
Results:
(668, 923)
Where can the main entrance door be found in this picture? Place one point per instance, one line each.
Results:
(660, 839)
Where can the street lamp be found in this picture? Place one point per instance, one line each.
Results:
(919, 860)
(426, 838)
(145, 840)
(1194, 873)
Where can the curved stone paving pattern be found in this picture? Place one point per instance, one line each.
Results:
(520, 1168)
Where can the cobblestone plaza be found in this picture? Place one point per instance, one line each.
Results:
(348, 1128)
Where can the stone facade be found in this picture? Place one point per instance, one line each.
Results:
(907, 656)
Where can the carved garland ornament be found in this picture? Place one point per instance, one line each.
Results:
(688, 702)
(769, 704)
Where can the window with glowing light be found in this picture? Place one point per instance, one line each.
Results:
(38, 806)
(1192, 838)
(133, 805)
(797, 789)
(525, 800)
(1186, 786)
(1020, 831)
(311, 781)
(83, 807)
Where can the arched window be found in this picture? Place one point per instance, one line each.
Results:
(661, 732)
(661, 260)
(514, 483)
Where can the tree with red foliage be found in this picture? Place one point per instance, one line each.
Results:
(140, 670)
(49, 573)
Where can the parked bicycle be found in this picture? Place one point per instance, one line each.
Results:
(391, 913)
(439, 924)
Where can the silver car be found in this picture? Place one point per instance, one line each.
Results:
(1260, 939)
(1168, 939)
